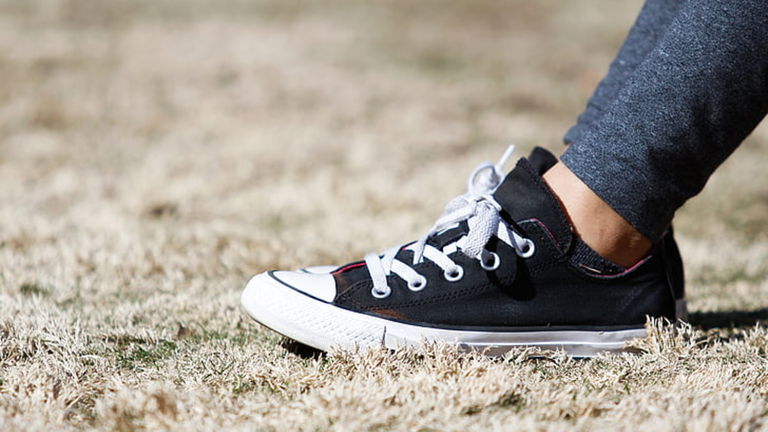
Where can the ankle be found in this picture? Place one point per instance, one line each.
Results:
(594, 221)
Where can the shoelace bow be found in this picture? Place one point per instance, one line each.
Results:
(481, 211)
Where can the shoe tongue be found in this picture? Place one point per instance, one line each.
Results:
(523, 195)
(448, 236)
(540, 160)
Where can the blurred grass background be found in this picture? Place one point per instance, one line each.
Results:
(155, 154)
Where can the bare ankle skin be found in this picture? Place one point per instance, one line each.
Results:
(598, 225)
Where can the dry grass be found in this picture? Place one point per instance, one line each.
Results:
(155, 154)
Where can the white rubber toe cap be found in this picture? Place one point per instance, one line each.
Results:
(321, 286)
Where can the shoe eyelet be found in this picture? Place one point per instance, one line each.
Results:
(381, 295)
(454, 273)
(493, 265)
(528, 250)
(418, 284)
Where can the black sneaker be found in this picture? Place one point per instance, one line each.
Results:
(501, 268)
(541, 161)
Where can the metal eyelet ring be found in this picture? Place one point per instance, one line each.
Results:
(493, 265)
(528, 249)
(418, 284)
(454, 273)
(381, 295)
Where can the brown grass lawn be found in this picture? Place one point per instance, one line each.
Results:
(154, 154)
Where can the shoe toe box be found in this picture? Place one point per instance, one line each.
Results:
(318, 269)
(321, 286)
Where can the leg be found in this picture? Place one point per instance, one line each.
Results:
(604, 229)
(686, 107)
(651, 24)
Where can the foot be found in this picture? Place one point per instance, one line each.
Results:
(501, 268)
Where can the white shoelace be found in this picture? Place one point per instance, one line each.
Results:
(481, 211)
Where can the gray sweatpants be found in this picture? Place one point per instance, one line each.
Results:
(688, 85)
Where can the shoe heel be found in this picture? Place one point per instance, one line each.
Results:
(681, 310)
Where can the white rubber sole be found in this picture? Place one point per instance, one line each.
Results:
(324, 326)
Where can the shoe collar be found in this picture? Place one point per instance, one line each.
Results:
(525, 196)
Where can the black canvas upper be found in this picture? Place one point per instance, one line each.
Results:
(549, 289)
